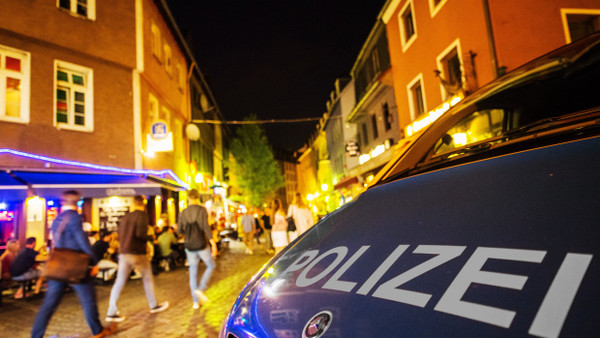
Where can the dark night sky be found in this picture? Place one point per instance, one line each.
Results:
(275, 59)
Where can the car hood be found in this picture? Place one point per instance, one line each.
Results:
(507, 246)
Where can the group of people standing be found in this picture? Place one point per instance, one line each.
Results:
(280, 234)
(134, 234)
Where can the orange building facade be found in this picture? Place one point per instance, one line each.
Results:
(443, 50)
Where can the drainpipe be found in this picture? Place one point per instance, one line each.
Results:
(490, 35)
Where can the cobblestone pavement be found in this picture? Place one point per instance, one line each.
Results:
(234, 269)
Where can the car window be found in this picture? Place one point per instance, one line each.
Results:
(478, 126)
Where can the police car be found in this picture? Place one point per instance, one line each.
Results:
(487, 226)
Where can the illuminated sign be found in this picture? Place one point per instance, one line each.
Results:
(159, 131)
(7, 216)
(433, 115)
(378, 150)
(165, 144)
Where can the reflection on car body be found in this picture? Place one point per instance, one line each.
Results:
(485, 225)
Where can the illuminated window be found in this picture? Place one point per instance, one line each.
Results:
(73, 97)
(82, 8)
(477, 127)
(14, 85)
(580, 23)
(155, 42)
(168, 59)
(435, 6)
(416, 97)
(450, 67)
(407, 23)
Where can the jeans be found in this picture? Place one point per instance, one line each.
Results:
(87, 297)
(126, 263)
(194, 258)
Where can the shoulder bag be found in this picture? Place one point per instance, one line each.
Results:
(66, 265)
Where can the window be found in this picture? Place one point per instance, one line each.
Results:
(479, 126)
(451, 74)
(435, 6)
(408, 27)
(374, 126)
(387, 117)
(364, 135)
(168, 59)
(416, 97)
(580, 23)
(14, 85)
(82, 8)
(153, 107)
(155, 42)
(73, 98)
(181, 77)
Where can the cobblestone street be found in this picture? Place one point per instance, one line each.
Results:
(234, 269)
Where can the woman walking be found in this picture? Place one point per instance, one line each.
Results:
(301, 215)
(280, 225)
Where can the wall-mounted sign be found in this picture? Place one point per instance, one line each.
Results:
(110, 211)
(154, 145)
(159, 131)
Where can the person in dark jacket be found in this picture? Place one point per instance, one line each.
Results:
(133, 236)
(199, 245)
(24, 267)
(72, 237)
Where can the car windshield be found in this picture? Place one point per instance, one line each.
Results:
(560, 86)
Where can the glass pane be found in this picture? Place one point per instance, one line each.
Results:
(78, 79)
(13, 64)
(79, 97)
(61, 94)
(61, 117)
(479, 126)
(13, 97)
(82, 7)
(79, 120)
(62, 76)
(66, 4)
(79, 108)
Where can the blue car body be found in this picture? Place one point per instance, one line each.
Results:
(503, 247)
(496, 238)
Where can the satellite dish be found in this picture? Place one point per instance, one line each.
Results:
(192, 132)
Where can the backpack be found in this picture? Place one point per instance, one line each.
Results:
(195, 238)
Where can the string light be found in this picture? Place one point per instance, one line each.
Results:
(159, 173)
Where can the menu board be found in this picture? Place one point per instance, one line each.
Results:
(111, 211)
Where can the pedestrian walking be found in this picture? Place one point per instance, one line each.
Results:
(301, 215)
(72, 237)
(280, 225)
(199, 245)
(134, 236)
(249, 228)
(265, 221)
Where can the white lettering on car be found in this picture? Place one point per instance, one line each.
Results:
(556, 304)
(389, 290)
(548, 320)
(334, 283)
(471, 273)
(303, 279)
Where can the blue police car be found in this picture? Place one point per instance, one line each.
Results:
(487, 226)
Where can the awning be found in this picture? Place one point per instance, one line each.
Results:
(346, 182)
(11, 189)
(49, 184)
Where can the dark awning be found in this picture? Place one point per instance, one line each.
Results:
(50, 184)
(11, 189)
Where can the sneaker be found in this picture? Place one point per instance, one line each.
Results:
(115, 318)
(160, 307)
(201, 296)
(196, 306)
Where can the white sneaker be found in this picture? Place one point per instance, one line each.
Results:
(160, 307)
(201, 296)
(196, 306)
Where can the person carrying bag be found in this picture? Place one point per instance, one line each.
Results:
(71, 254)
